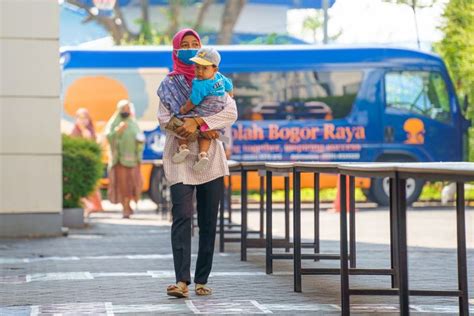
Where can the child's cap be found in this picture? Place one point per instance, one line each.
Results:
(207, 57)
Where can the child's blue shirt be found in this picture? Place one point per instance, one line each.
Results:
(210, 87)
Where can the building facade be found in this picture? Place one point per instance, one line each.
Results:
(30, 111)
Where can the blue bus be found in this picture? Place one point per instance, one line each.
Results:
(296, 103)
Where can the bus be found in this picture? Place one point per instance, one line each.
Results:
(295, 103)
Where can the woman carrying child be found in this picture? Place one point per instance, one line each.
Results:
(174, 92)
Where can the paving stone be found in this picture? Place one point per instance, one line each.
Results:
(122, 267)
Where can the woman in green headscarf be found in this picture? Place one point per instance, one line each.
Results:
(126, 146)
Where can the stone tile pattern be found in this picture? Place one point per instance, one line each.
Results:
(124, 269)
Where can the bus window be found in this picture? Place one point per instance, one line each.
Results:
(295, 95)
(418, 92)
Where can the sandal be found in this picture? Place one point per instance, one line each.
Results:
(179, 290)
(202, 290)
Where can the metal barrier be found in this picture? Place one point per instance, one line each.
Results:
(398, 173)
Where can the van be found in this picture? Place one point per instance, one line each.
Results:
(295, 103)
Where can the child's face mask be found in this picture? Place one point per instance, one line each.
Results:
(186, 54)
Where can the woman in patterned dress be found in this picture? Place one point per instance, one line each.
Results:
(184, 181)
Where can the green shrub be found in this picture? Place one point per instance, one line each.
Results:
(82, 168)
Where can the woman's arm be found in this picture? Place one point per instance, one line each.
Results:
(164, 115)
(140, 147)
(224, 118)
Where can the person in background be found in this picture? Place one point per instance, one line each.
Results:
(126, 146)
(84, 128)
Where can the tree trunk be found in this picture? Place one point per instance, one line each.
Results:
(145, 29)
(416, 25)
(202, 12)
(145, 16)
(232, 10)
(174, 17)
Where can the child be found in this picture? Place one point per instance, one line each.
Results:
(208, 89)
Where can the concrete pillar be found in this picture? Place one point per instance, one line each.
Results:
(30, 110)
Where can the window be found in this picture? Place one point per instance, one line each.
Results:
(295, 95)
(419, 92)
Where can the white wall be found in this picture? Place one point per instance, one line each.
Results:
(30, 141)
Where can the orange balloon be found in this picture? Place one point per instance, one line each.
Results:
(98, 94)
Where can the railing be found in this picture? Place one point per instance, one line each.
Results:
(398, 271)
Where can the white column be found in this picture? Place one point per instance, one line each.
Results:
(30, 110)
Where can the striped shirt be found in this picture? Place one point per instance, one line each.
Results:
(183, 172)
(174, 91)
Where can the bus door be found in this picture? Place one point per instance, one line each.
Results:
(418, 118)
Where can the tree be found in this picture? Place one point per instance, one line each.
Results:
(414, 5)
(457, 45)
(457, 50)
(232, 11)
(313, 23)
(202, 12)
(117, 26)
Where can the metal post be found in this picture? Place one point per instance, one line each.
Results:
(461, 240)
(230, 199)
(262, 208)
(401, 211)
(393, 234)
(243, 235)
(296, 231)
(345, 298)
(287, 212)
(316, 214)
(269, 235)
(326, 20)
(352, 225)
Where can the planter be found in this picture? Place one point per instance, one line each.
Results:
(73, 217)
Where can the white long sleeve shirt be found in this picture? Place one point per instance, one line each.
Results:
(183, 172)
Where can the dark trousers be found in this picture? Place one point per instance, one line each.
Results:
(208, 196)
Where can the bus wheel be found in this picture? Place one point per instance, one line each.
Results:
(379, 191)
(158, 187)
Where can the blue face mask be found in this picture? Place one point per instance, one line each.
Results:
(186, 54)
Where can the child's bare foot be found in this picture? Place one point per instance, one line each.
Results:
(181, 155)
(202, 163)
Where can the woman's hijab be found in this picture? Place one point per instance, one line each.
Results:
(115, 120)
(180, 68)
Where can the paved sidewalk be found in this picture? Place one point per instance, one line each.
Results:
(117, 266)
